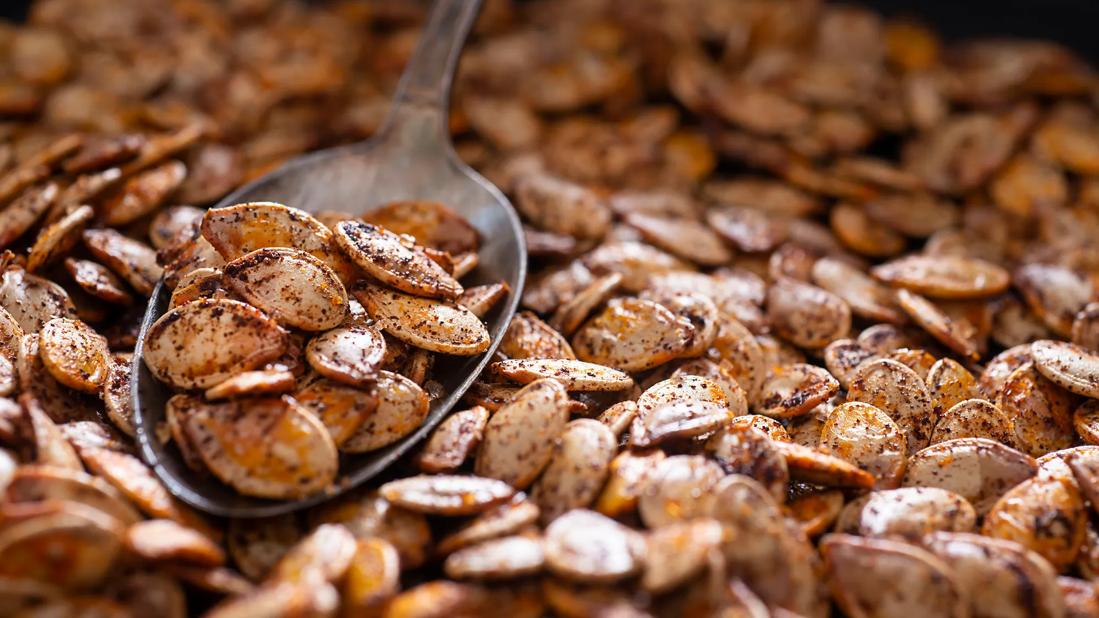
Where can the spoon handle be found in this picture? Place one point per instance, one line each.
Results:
(425, 85)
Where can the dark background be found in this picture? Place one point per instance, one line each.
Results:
(1072, 22)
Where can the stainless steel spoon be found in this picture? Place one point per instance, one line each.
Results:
(411, 157)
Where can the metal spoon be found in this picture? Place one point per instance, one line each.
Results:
(411, 157)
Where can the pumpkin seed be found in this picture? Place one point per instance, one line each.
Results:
(518, 440)
(865, 436)
(99, 281)
(268, 447)
(58, 238)
(503, 558)
(633, 334)
(575, 375)
(351, 354)
(900, 393)
(908, 513)
(384, 256)
(806, 315)
(163, 540)
(589, 547)
(794, 390)
(242, 228)
(443, 327)
(577, 468)
(452, 442)
(442, 494)
(74, 354)
(974, 418)
(865, 576)
(132, 260)
(401, 408)
(941, 276)
(291, 286)
(205, 342)
(1045, 514)
(32, 301)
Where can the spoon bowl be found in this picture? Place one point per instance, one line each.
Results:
(411, 158)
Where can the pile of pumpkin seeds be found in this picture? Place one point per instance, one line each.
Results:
(812, 330)
(293, 373)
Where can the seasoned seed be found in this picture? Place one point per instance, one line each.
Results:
(908, 512)
(685, 238)
(633, 334)
(1041, 411)
(1068, 365)
(736, 346)
(900, 393)
(806, 315)
(677, 552)
(949, 384)
(941, 276)
(23, 211)
(386, 257)
(577, 469)
(159, 540)
(138, 483)
(867, 298)
(816, 511)
(575, 375)
(588, 547)
(503, 558)
(794, 390)
(142, 193)
(557, 205)
(99, 281)
(872, 577)
(503, 520)
(958, 335)
(1001, 577)
(205, 342)
(1086, 421)
(32, 301)
(679, 487)
(677, 420)
(58, 238)
(443, 494)
(74, 354)
(348, 354)
(979, 469)
(813, 466)
(482, 298)
(248, 383)
(864, 435)
(34, 483)
(432, 224)
(373, 577)
(628, 477)
(242, 228)
(453, 441)
(519, 437)
(746, 450)
(401, 408)
(843, 356)
(292, 286)
(342, 409)
(132, 260)
(1054, 293)
(529, 337)
(438, 326)
(1045, 514)
(974, 418)
(270, 447)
